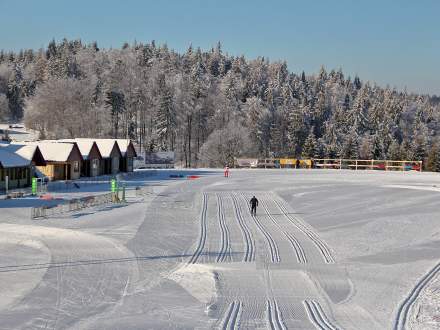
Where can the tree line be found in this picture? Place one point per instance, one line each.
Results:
(210, 107)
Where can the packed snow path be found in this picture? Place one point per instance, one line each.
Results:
(326, 250)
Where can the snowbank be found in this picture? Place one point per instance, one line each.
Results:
(198, 280)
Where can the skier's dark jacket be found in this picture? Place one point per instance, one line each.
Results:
(254, 202)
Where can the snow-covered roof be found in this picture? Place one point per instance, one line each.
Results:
(105, 146)
(23, 150)
(84, 145)
(123, 145)
(11, 159)
(53, 151)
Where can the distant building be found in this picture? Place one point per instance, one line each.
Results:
(17, 164)
(91, 164)
(63, 160)
(110, 153)
(128, 154)
(68, 159)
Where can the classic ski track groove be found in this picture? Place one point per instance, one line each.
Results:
(317, 315)
(250, 250)
(320, 244)
(274, 253)
(299, 252)
(232, 319)
(202, 238)
(274, 317)
(402, 312)
(225, 240)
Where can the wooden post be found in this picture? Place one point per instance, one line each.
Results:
(356, 166)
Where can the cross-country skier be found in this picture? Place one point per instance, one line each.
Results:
(226, 171)
(254, 204)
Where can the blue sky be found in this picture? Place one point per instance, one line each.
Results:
(388, 42)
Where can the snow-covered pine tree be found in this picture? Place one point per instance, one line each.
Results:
(394, 151)
(365, 148)
(350, 146)
(165, 119)
(115, 101)
(309, 148)
(433, 161)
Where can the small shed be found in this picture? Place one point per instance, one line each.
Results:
(63, 160)
(128, 153)
(110, 154)
(91, 164)
(17, 164)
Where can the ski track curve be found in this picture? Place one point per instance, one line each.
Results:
(274, 317)
(299, 251)
(250, 248)
(85, 276)
(203, 234)
(225, 240)
(274, 252)
(404, 308)
(317, 315)
(232, 318)
(318, 242)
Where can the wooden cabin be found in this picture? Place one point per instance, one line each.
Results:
(63, 161)
(128, 153)
(17, 163)
(91, 163)
(110, 153)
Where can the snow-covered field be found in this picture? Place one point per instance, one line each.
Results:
(327, 250)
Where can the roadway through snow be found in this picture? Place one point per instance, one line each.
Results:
(326, 250)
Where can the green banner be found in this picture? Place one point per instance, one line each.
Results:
(34, 186)
(113, 185)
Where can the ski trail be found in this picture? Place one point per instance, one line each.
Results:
(404, 308)
(250, 250)
(225, 240)
(232, 319)
(318, 242)
(317, 316)
(202, 238)
(299, 251)
(274, 253)
(274, 317)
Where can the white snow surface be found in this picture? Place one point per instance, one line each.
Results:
(25, 151)
(85, 146)
(105, 145)
(51, 151)
(9, 158)
(198, 280)
(328, 249)
(123, 145)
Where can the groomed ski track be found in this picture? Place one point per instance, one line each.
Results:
(326, 250)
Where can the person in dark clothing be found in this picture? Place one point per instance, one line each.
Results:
(254, 204)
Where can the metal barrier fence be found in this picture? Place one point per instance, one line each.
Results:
(70, 206)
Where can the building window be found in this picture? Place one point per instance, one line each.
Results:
(95, 163)
(76, 167)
